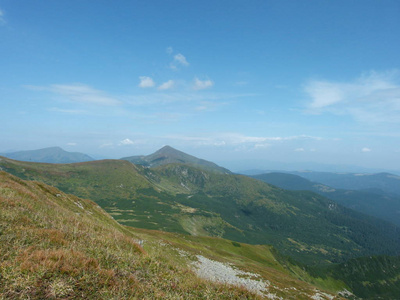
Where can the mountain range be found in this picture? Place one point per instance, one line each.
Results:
(54, 155)
(186, 199)
(314, 239)
(373, 201)
(56, 245)
(387, 182)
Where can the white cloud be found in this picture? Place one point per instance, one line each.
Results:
(126, 142)
(365, 149)
(373, 97)
(167, 85)
(72, 144)
(202, 84)
(299, 150)
(325, 93)
(146, 82)
(180, 59)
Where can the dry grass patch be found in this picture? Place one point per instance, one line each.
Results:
(64, 261)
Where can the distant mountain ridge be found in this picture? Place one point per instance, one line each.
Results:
(373, 201)
(387, 182)
(55, 155)
(168, 155)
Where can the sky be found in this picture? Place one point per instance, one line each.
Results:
(246, 84)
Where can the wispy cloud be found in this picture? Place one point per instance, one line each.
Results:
(237, 139)
(373, 97)
(146, 82)
(68, 111)
(181, 60)
(160, 98)
(80, 93)
(134, 142)
(198, 99)
(2, 19)
(204, 106)
(178, 60)
(365, 149)
(202, 84)
(106, 145)
(166, 85)
(84, 94)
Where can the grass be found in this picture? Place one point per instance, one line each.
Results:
(288, 280)
(55, 245)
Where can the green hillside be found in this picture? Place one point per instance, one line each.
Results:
(57, 246)
(375, 277)
(184, 199)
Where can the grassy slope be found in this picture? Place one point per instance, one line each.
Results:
(183, 199)
(289, 280)
(55, 245)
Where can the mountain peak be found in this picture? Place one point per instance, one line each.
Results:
(167, 149)
(169, 155)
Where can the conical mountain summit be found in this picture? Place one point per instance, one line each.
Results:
(169, 155)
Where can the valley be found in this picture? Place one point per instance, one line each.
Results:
(376, 201)
(233, 218)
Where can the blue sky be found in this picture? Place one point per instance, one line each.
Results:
(247, 84)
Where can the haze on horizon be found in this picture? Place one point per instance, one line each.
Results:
(245, 82)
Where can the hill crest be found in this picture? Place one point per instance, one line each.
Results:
(169, 155)
(49, 155)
